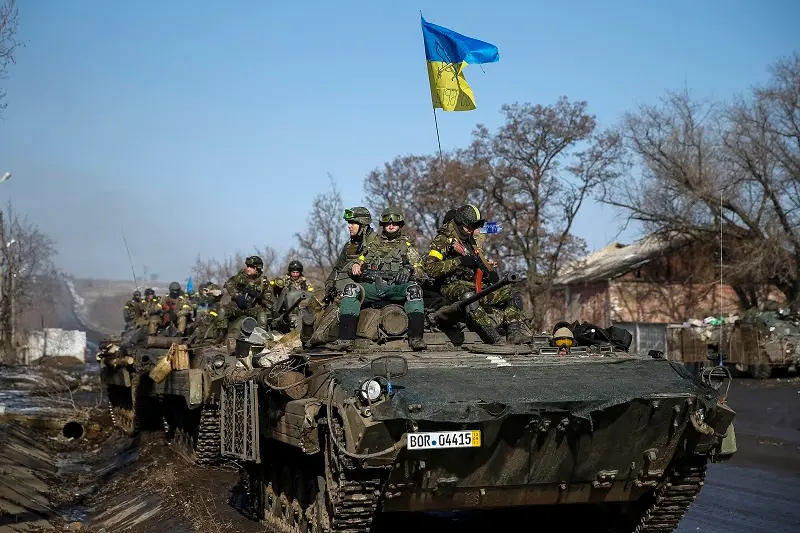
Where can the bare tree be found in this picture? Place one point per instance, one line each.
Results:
(708, 167)
(424, 188)
(220, 270)
(532, 175)
(26, 261)
(325, 233)
(8, 42)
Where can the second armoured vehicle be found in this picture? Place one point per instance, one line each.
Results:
(330, 440)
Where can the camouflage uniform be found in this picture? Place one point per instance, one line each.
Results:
(152, 311)
(134, 309)
(394, 253)
(251, 295)
(457, 275)
(176, 308)
(355, 247)
(206, 326)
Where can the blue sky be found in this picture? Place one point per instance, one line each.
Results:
(200, 127)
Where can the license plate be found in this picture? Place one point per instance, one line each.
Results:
(443, 439)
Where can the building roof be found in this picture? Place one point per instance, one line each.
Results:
(617, 259)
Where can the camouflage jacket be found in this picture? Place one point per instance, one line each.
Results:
(240, 282)
(351, 251)
(134, 309)
(302, 284)
(180, 306)
(384, 253)
(444, 262)
(152, 307)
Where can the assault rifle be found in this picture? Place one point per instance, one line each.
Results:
(386, 277)
(444, 314)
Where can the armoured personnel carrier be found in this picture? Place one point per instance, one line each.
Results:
(190, 390)
(330, 440)
(125, 363)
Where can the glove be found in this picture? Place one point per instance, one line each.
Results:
(253, 293)
(241, 301)
(469, 261)
(403, 275)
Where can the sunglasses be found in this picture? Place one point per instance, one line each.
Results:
(564, 342)
(391, 217)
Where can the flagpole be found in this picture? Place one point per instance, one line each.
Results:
(438, 141)
(435, 120)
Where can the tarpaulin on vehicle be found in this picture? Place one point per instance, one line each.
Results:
(465, 394)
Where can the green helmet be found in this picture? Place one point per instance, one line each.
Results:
(469, 216)
(254, 261)
(358, 215)
(392, 214)
(295, 266)
(174, 287)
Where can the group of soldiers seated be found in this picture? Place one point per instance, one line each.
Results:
(211, 312)
(372, 268)
(387, 267)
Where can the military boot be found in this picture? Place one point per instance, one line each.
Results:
(490, 335)
(347, 332)
(416, 325)
(519, 333)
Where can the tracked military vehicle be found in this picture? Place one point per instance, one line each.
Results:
(330, 440)
(125, 363)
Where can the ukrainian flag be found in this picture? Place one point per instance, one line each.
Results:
(447, 54)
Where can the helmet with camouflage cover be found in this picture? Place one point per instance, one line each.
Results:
(392, 214)
(295, 266)
(211, 290)
(469, 216)
(149, 292)
(358, 215)
(254, 261)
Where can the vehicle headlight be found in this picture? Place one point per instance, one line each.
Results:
(371, 389)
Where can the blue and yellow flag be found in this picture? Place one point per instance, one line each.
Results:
(448, 53)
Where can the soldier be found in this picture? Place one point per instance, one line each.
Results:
(176, 308)
(361, 234)
(152, 310)
(134, 308)
(251, 294)
(294, 279)
(390, 253)
(206, 325)
(454, 259)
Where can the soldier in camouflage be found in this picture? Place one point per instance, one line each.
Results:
(294, 279)
(391, 253)
(152, 310)
(176, 308)
(361, 234)
(134, 308)
(454, 259)
(251, 294)
(206, 324)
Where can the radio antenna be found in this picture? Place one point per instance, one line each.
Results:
(135, 282)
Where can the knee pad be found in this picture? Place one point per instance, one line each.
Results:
(352, 290)
(413, 292)
(516, 300)
(474, 305)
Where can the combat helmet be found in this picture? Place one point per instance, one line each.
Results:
(468, 216)
(295, 266)
(254, 261)
(392, 214)
(358, 215)
(137, 294)
(174, 287)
